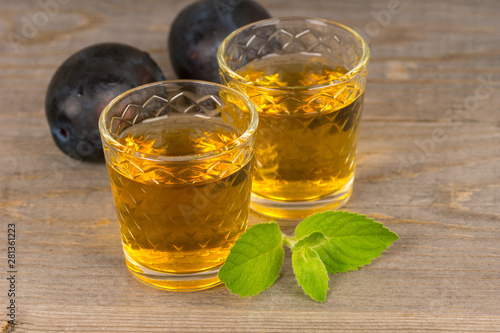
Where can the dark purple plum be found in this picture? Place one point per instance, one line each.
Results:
(198, 31)
(83, 85)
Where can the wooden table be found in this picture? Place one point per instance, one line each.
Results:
(429, 169)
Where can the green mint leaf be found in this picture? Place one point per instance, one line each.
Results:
(255, 260)
(311, 241)
(311, 273)
(352, 240)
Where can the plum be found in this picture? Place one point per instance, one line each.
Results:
(198, 31)
(83, 85)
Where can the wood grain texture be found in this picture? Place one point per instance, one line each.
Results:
(429, 169)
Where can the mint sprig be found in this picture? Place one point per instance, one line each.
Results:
(328, 242)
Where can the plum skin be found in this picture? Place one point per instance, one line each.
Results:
(198, 31)
(83, 85)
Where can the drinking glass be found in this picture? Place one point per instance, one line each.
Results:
(306, 78)
(180, 161)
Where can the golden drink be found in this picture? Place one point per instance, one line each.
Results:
(306, 146)
(307, 78)
(179, 225)
(180, 160)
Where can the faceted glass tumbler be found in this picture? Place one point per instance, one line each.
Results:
(306, 78)
(180, 160)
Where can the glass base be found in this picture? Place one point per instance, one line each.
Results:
(173, 282)
(298, 210)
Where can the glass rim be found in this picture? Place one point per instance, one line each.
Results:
(229, 147)
(348, 76)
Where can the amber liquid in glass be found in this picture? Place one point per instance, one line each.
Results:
(177, 219)
(306, 142)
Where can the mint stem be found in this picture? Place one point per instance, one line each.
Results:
(288, 241)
